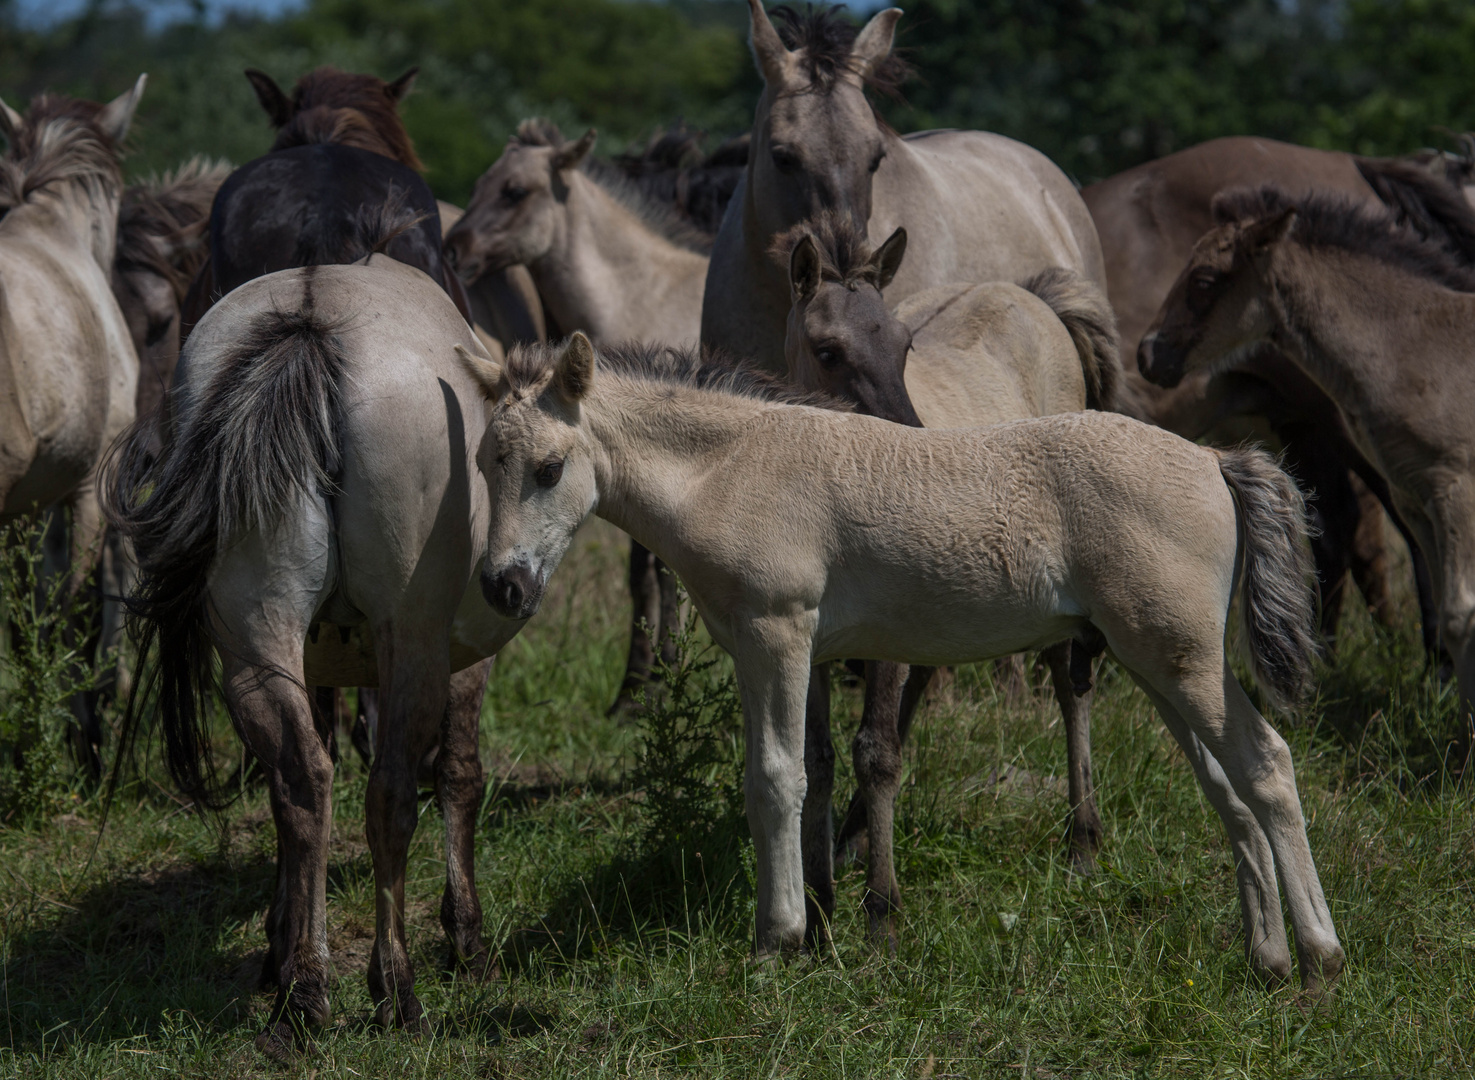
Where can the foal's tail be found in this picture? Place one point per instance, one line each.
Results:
(1084, 310)
(263, 433)
(1276, 603)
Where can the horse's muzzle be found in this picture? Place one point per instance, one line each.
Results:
(515, 592)
(1159, 363)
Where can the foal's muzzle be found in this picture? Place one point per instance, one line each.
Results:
(514, 592)
(1158, 362)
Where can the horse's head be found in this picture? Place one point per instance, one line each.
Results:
(518, 208)
(842, 341)
(816, 141)
(1218, 309)
(538, 468)
(339, 107)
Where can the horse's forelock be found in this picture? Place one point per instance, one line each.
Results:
(538, 131)
(60, 140)
(825, 39)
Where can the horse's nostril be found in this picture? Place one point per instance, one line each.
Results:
(509, 593)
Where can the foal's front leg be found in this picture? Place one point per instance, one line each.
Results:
(817, 832)
(1086, 829)
(772, 657)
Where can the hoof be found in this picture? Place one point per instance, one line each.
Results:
(1271, 972)
(278, 1042)
(1319, 977)
(408, 1016)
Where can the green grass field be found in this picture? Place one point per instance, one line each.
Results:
(625, 960)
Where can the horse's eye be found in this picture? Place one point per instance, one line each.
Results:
(514, 194)
(549, 473)
(828, 357)
(1203, 281)
(876, 161)
(784, 159)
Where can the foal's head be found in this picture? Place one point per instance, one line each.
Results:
(816, 141)
(514, 214)
(332, 106)
(1218, 310)
(539, 472)
(842, 341)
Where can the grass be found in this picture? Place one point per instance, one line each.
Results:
(143, 963)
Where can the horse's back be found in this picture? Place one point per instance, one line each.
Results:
(988, 354)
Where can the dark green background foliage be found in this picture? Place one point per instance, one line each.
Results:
(1100, 85)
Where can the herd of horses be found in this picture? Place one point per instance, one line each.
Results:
(321, 431)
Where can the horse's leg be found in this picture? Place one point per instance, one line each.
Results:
(847, 837)
(645, 595)
(1423, 580)
(459, 786)
(772, 659)
(1312, 456)
(1370, 562)
(275, 719)
(816, 825)
(1075, 708)
(1266, 946)
(85, 551)
(876, 751)
(325, 712)
(414, 675)
(670, 613)
(366, 723)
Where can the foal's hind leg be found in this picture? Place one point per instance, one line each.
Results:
(645, 596)
(853, 828)
(815, 828)
(459, 786)
(876, 751)
(1075, 708)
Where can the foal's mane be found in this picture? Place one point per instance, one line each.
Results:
(1335, 221)
(161, 222)
(59, 141)
(844, 250)
(824, 39)
(660, 217)
(529, 366)
(345, 109)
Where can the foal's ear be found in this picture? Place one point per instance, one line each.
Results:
(574, 373)
(276, 104)
(10, 121)
(117, 114)
(887, 259)
(873, 43)
(773, 59)
(401, 86)
(569, 155)
(804, 268)
(487, 373)
(1266, 233)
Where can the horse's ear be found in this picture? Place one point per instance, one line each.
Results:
(10, 121)
(772, 58)
(1267, 232)
(887, 259)
(804, 268)
(873, 43)
(487, 373)
(401, 86)
(276, 104)
(117, 114)
(574, 374)
(569, 155)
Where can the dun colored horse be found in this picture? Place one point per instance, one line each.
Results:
(978, 206)
(313, 520)
(926, 547)
(964, 356)
(1381, 320)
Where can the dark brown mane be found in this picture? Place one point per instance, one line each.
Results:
(60, 140)
(1337, 222)
(844, 251)
(529, 366)
(339, 107)
(662, 217)
(162, 222)
(1431, 203)
(825, 38)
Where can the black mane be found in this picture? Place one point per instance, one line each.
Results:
(844, 250)
(1336, 221)
(825, 39)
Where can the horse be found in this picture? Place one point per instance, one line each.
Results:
(672, 169)
(1149, 218)
(954, 356)
(926, 547)
(1380, 319)
(68, 366)
(607, 260)
(341, 153)
(979, 206)
(312, 521)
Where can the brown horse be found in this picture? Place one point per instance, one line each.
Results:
(1149, 218)
(1382, 321)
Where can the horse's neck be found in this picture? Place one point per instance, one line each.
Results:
(612, 275)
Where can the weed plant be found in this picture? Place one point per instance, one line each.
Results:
(613, 964)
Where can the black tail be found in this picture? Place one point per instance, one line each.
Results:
(263, 433)
(1429, 204)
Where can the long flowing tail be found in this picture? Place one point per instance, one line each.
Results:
(262, 434)
(1276, 602)
(1087, 314)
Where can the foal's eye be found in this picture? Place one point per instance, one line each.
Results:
(828, 357)
(876, 161)
(549, 473)
(514, 194)
(784, 159)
